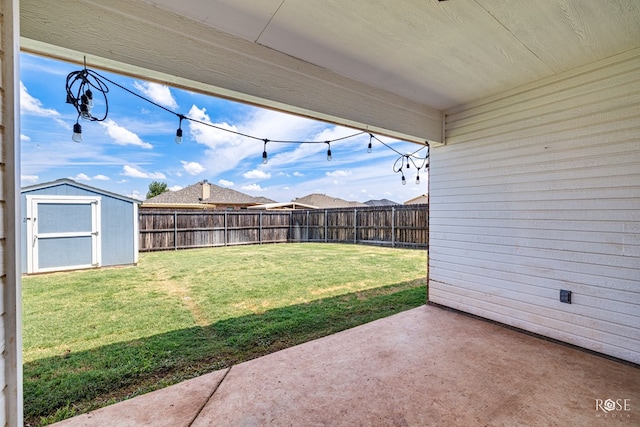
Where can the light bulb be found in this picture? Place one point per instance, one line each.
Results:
(404, 181)
(329, 154)
(84, 111)
(89, 95)
(264, 157)
(418, 179)
(369, 147)
(179, 136)
(77, 133)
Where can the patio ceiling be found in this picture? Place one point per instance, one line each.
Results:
(390, 66)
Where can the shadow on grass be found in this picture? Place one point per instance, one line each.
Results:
(59, 387)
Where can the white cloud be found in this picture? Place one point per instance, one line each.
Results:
(226, 149)
(257, 174)
(339, 173)
(192, 168)
(85, 177)
(253, 187)
(31, 179)
(175, 188)
(226, 183)
(31, 105)
(137, 173)
(135, 194)
(81, 177)
(158, 93)
(296, 173)
(24, 137)
(122, 136)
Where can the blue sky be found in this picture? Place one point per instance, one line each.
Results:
(135, 145)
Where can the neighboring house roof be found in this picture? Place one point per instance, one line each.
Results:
(67, 181)
(422, 199)
(203, 194)
(381, 202)
(264, 200)
(285, 206)
(322, 201)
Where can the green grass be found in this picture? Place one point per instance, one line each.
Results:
(95, 337)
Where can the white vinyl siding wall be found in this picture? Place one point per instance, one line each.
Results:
(538, 190)
(10, 338)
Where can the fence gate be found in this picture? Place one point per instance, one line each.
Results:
(63, 233)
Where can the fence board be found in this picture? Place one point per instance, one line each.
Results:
(398, 226)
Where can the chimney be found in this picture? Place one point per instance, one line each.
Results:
(206, 190)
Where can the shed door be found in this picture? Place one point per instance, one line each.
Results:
(63, 233)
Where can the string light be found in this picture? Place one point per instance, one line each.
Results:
(404, 161)
(77, 133)
(80, 95)
(178, 139)
(264, 153)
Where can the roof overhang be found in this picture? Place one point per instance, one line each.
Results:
(389, 67)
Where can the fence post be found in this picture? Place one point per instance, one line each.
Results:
(355, 225)
(326, 226)
(225, 228)
(307, 226)
(175, 230)
(260, 229)
(393, 226)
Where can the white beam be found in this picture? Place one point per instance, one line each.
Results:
(11, 320)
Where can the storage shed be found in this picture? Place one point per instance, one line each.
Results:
(68, 226)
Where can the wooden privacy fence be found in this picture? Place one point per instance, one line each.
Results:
(396, 226)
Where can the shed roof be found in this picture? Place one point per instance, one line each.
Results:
(67, 181)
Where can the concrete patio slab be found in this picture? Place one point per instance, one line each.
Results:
(174, 406)
(426, 366)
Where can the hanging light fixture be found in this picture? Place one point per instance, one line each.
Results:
(264, 153)
(81, 97)
(179, 130)
(77, 133)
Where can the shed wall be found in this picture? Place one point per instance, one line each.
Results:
(118, 218)
(538, 190)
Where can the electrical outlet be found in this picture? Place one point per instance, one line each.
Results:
(565, 296)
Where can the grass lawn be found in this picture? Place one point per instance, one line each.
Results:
(95, 337)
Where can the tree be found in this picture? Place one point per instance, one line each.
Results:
(156, 188)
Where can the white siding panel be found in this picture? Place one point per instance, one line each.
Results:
(538, 190)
